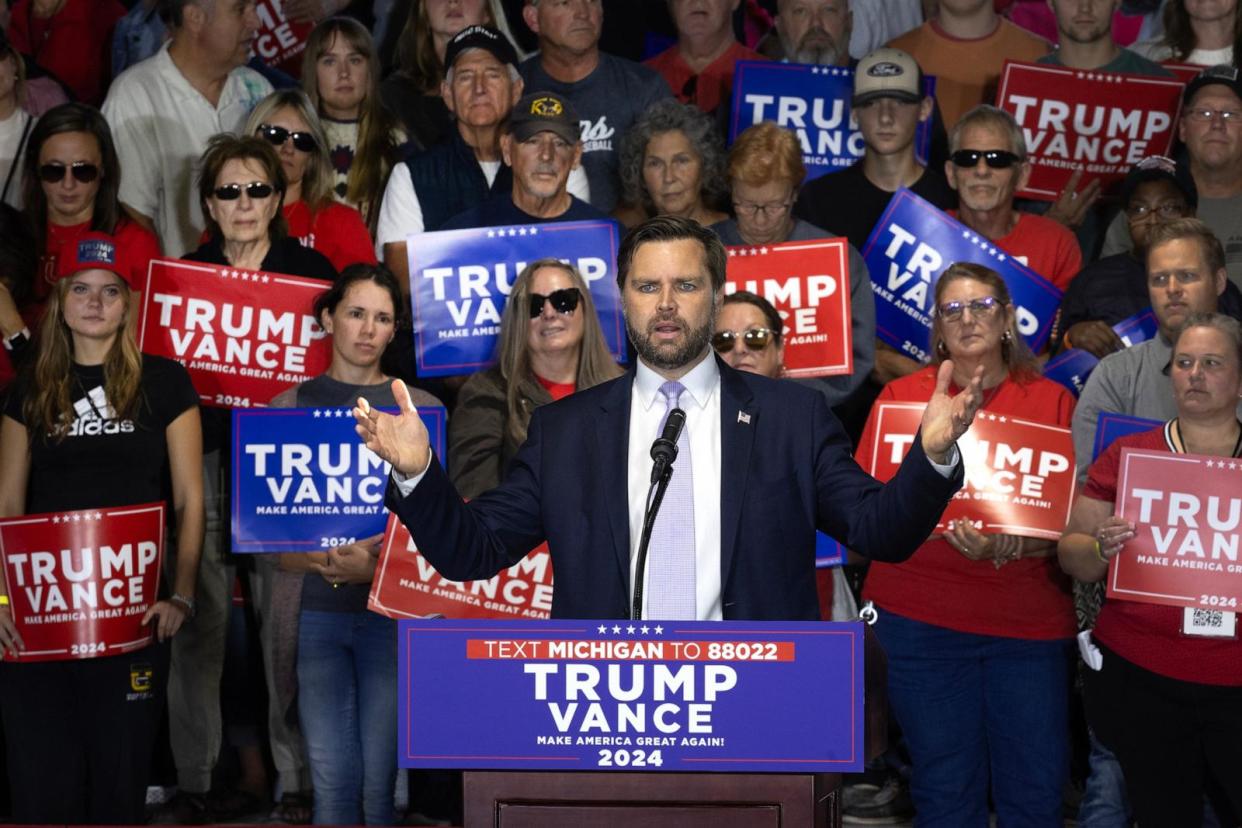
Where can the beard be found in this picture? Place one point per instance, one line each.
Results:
(816, 48)
(670, 356)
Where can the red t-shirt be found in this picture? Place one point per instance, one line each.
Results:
(1027, 598)
(558, 390)
(714, 84)
(75, 44)
(140, 246)
(1150, 635)
(336, 231)
(1044, 246)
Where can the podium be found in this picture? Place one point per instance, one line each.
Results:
(573, 723)
(532, 799)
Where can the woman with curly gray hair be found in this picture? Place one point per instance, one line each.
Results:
(673, 163)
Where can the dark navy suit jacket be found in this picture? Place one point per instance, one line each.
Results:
(786, 469)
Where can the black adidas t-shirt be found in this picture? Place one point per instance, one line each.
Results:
(103, 461)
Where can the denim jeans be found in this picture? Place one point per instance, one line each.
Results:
(979, 707)
(347, 701)
(1104, 803)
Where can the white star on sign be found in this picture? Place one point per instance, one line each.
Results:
(645, 629)
(616, 630)
(659, 630)
(602, 629)
(630, 629)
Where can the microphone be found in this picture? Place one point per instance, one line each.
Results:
(664, 449)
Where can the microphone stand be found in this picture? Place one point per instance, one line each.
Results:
(655, 496)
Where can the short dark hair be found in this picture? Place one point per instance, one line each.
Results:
(172, 12)
(1190, 228)
(226, 147)
(770, 314)
(361, 272)
(667, 229)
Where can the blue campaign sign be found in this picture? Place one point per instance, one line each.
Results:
(1111, 425)
(303, 481)
(911, 245)
(814, 102)
(1072, 367)
(828, 552)
(460, 279)
(631, 695)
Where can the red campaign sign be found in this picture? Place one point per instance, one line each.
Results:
(1184, 72)
(1102, 122)
(1019, 474)
(244, 335)
(280, 42)
(406, 585)
(80, 582)
(1187, 509)
(809, 283)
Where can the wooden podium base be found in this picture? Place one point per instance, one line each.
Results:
(533, 799)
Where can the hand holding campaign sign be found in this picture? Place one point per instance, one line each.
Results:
(814, 102)
(809, 284)
(80, 582)
(1019, 474)
(1100, 122)
(618, 695)
(1187, 510)
(244, 336)
(460, 280)
(911, 245)
(1072, 367)
(302, 482)
(406, 585)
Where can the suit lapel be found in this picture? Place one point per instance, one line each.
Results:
(739, 417)
(612, 449)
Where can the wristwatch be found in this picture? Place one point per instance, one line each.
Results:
(188, 603)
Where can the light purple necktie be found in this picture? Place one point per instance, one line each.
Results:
(670, 583)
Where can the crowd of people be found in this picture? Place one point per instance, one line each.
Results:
(151, 128)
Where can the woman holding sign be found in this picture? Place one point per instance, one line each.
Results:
(94, 424)
(346, 657)
(1165, 689)
(977, 627)
(550, 346)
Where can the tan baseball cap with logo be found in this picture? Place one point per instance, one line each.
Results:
(887, 73)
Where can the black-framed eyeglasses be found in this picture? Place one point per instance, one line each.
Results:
(745, 208)
(564, 300)
(980, 308)
(996, 159)
(276, 136)
(54, 173)
(755, 339)
(1166, 210)
(232, 192)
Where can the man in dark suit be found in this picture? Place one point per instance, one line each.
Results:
(762, 464)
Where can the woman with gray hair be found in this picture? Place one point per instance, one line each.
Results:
(673, 164)
(287, 120)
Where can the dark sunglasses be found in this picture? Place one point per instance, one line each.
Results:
(276, 136)
(55, 173)
(232, 192)
(996, 159)
(564, 300)
(756, 339)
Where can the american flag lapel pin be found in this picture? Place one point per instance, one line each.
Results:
(743, 417)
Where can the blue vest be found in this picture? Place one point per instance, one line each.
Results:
(448, 180)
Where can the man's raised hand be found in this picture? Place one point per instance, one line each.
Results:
(400, 439)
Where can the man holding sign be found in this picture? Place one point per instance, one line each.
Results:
(762, 464)
(1165, 689)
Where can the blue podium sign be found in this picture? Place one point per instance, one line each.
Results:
(631, 695)
(460, 280)
(814, 102)
(911, 245)
(304, 482)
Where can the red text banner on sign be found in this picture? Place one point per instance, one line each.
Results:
(406, 585)
(809, 284)
(1019, 474)
(243, 335)
(1187, 509)
(1100, 122)
(80, 582)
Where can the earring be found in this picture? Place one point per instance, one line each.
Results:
(1006, 337)
(942, 350)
